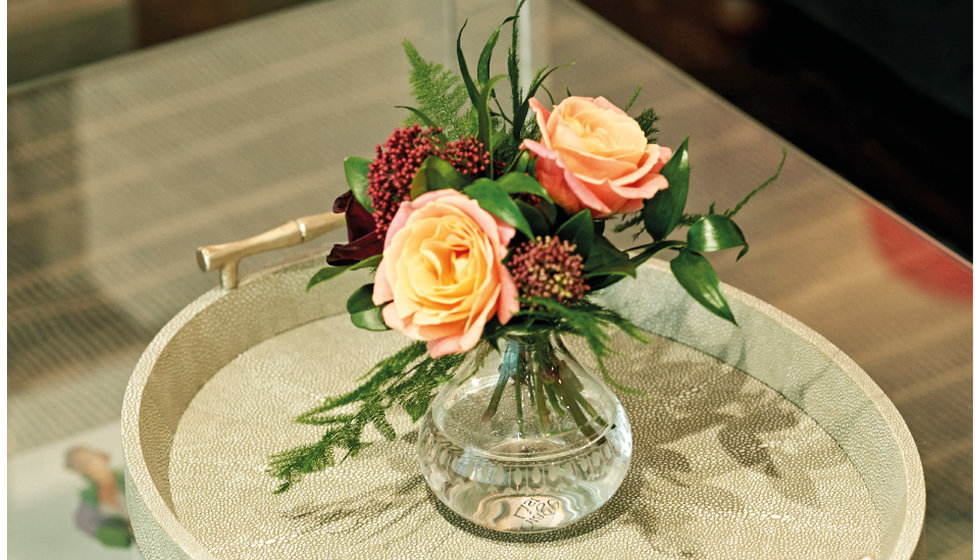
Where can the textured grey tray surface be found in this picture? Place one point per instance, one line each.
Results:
(806, 458)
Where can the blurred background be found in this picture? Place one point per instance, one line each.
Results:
(880, 92)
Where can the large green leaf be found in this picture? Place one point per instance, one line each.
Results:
(329, 272)
(363, 312)
(361, 299)
(716, 232)
(663, 212)
(493, 199)
(696, 275)
(518, 182)
(370, 319)
(356, 170)
(537, 221)
(578, 230)
(606, 264)
(436, 173)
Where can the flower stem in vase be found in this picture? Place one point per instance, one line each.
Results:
(563, 440)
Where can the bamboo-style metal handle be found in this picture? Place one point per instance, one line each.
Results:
(227, 255)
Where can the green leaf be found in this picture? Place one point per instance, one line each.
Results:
(356, 170)
(632, 100)
(538, 223)
(484, 124)
(436, 173)
(374, 260)
(652, 249)
(696, 275)
(716, 232)
(483, 67)
(513, 70)
(521, 113)
(578, 230)
(363, 312)
(522, 162)
(519, 182)
(463, 70)
(494, 199)
(662, 213)
(329, 272)
(361, 299)
(607, 265)
(370, 319)
(325, 274)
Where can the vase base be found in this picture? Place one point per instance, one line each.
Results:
(521, 494)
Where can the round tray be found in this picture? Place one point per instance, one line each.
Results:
(758, 441)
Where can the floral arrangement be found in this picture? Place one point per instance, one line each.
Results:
(481, 223)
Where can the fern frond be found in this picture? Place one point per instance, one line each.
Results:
(647, 120)
(407, 378)
(439, 94)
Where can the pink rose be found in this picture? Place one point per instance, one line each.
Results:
(442, 271)
(593, 155)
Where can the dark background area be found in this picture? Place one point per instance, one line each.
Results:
(880, 92)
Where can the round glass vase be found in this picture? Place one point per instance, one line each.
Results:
(524, 439)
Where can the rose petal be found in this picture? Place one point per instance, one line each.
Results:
(541, 115)
(594, 166)
(552, 177)
(585, 195)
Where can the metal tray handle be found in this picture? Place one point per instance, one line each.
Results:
(225, 257)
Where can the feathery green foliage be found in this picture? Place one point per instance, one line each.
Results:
(407, 378)
(627, 221)
(647, 120)
(440, 96)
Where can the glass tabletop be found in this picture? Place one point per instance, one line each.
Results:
(117, 172)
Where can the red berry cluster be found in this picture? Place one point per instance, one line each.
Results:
(548, 267)
(391, 173)
(467, 155)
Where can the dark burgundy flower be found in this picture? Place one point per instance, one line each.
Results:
(362, 235)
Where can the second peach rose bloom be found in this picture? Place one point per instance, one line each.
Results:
(593, 155)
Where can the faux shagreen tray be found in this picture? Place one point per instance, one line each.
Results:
(757, 441)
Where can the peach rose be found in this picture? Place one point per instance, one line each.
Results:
(442, 271)
(593, 155)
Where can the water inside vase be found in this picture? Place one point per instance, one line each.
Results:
(529, 479)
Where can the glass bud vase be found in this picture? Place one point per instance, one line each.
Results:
(524, 439)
